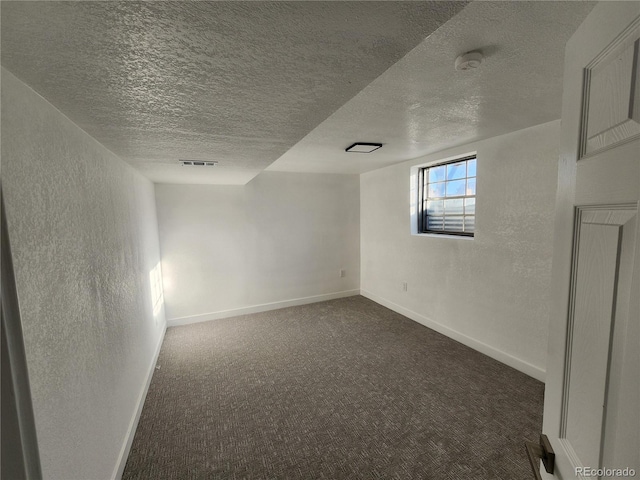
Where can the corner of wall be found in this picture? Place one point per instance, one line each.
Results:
(503, 357)
(135, 419)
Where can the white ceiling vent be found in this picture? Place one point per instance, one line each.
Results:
(363, 147)
(197, 163)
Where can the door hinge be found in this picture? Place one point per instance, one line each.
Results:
(541, 451)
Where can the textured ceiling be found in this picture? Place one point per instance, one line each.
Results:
(237, 82)
(422, 105)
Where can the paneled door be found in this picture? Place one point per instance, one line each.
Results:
(592, 396)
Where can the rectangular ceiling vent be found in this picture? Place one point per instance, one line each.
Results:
(198, 163)
(363, 147)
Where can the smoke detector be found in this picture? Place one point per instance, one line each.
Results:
(469, 60)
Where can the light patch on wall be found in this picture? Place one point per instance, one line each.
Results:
(413, 193)
(157, 296)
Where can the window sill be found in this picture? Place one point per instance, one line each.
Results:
(442, 235)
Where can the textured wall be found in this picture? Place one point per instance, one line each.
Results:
(282, 236)
(84, 235)
(493, 289)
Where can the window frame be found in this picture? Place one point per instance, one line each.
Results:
(421, 201)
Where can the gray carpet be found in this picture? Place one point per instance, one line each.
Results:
(344, 389)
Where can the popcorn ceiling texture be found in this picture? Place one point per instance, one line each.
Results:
(238, 82)
(83, 231)
(421, 105)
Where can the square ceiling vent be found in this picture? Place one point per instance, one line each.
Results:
(362, 147)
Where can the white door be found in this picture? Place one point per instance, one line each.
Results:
(592, 396)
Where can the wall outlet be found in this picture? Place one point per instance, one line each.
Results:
(343, 273)
(404, 286)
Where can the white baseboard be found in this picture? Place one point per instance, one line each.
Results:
(126, 447)
(264, 307)
(503, 357)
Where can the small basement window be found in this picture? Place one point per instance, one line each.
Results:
(447, 197)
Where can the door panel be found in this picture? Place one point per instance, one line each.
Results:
(611, 98)
(589, 340)
(592, 404)
(596, 310)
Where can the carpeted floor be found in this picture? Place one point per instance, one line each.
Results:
(344, 389)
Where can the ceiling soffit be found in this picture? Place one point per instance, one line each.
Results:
(421, 105)
(235, 82)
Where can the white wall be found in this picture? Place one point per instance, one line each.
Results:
(83, 230)
(491, 292)
(280, 239)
